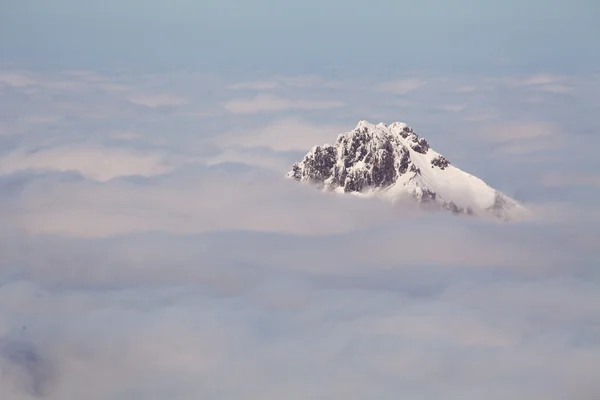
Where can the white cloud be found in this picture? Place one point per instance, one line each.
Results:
(453, 107)
(154, 100)
(40, 119)
(402, 86)
(301, 81)
(467, 331)
(231, 281)
(556, 88)
(574, 179)
(466, 89)
(87, 75)
(518, 131)
(93, 162)
(16, 79)
(213, 201)
(266, 102)
(272, 160)
(308, 81)
(538, 79)
(522, 138)
(31, 81)
(115, 87)
(530, 147)
(255, 85)
(127, 135)
(481, 116)
(194, 316)
(284, 135)
(544, 83)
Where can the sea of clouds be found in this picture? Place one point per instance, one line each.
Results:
(150, 246)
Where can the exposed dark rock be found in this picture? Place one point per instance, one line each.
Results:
(404, 161)
(427, 196)
(407, 130)
(441, 162)
(384, 174)
(419, 145)
(356, 162)
(382, 160)
(317, 166)
(296, 172)
(375, 157)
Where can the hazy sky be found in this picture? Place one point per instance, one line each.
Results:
(151, 248)
(305, 35)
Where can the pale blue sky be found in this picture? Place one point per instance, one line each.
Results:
(304, 35)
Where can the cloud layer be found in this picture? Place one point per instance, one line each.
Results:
(151, 247)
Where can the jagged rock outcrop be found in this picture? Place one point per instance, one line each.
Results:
(393, 161)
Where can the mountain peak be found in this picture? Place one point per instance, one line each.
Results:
(393, 162)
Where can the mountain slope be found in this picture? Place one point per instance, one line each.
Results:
(393, 162)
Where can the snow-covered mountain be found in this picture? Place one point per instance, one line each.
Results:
(393, 162)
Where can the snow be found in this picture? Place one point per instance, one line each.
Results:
(450, 184)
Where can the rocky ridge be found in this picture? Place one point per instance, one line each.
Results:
(393, 162)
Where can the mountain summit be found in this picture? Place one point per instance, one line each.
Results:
(393, 162)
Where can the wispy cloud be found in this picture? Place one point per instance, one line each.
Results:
(573, 179)
(16, 79)
(266, 103)
(522, 138)
(22, 79)
(401, 86)
(286, 134)
(255, 85)
(298, 82)
(453, 107)
(93, 162)
(115, 87)
(467, 89)
(538, 79)
(158, 99)
(481, 116)
(172, 242)
(518, 131)
(543, 82)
